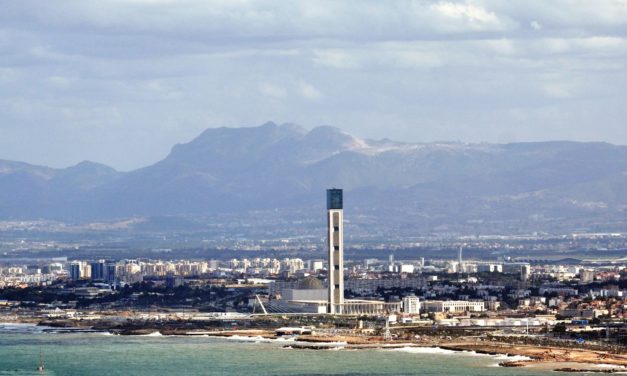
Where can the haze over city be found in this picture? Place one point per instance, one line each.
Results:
(224, 187)
(120, 82)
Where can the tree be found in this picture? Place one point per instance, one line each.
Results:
(559, 328)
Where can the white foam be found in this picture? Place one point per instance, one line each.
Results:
(440, 351)
(329, 344)
(336, 348)
(605, 365)
(513, 358)
(260, 339)
(285, 339)
(14, 327)
(153, 334)
(425, 350)
(253, 339)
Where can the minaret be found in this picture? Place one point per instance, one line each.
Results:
(460, 261)
(335, 243)
(459, 254)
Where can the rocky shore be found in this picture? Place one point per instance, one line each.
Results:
(578, 359)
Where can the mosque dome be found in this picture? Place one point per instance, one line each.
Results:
(310, 283)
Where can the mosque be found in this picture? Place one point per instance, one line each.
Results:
(310, 295)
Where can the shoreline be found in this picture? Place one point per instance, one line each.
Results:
(559, 359)
(582, 360)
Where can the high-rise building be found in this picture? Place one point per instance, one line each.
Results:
(525, 272)
(98, 270)
(335, 243)
(586, 276)
(85, 270)
(459, 255)
(110, 274)
(75, 271)
(411, 305)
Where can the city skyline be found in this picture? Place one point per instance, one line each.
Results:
(173, 177)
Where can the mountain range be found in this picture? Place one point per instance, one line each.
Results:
(235, 170)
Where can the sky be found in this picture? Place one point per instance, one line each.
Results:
(120, 82)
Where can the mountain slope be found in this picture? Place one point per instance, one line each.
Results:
(284, 166)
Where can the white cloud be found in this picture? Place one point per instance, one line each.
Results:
(61, 81)
(309, 91)
(410, 69)
(467, 12)
(336, 58)
(558, 91)
(272, 90)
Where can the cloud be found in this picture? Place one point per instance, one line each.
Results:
(474, 16)
(557, 90)
(61, 81)
(309, 91)
(121, 81)
(335, 58)
(273, 91)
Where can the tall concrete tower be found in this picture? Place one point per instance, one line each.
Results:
(335, 243)
(459, 255)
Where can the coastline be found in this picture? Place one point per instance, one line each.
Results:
(553, 358)
(546, 357)
(550, 358)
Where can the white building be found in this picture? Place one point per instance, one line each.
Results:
(406, 268)
(335, 243)
(411, 305)
(453, 306)
(586, 276)
(317, 265)
(490, 268)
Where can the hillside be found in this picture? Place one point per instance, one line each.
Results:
(235, 170)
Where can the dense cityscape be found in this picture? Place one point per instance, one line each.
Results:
(584, 298)
(350, 188)
(428, 301)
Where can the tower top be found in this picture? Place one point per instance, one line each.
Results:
(334, 199)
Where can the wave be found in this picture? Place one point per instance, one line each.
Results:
(260, 339)
(424, 350)
(512, 358)
(605, 365)
(153, 334)
(285, 339)
(255, 339)
(22, 328)
(440, 351)
(336, 348)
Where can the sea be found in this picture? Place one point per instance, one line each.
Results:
(84, 353)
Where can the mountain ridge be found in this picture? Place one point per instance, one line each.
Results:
(286, 166)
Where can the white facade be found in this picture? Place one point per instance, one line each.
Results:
(336, 260)
(317, 265)
(411, 305)
(490, 268)
(335, 244)
(406, 268)
(586, 276)
(453, 306)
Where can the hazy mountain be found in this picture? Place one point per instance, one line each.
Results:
(28, 191)
(280, 166)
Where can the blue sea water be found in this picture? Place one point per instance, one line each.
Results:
(102, 354)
